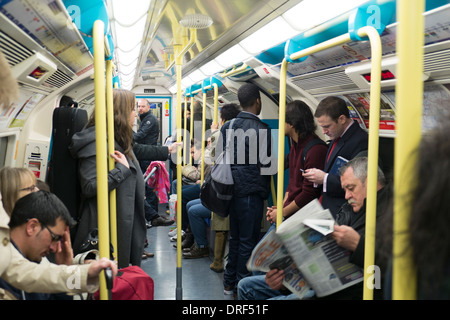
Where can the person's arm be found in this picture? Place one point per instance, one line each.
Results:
(152, 153)
(51, 278)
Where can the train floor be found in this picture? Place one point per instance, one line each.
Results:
(199, 282)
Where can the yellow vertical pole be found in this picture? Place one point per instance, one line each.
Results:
(409, 98)
(281, 132)
(191, 126)
(372, 165)
(216, 103)
(111, 162)
(178, 63)
(202, 173)
(186, 153)
(101, 149)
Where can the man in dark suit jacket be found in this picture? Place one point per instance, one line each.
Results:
(347, 140)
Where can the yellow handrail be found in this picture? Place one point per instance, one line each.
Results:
(111, 162)
(182, 52)
(186, 153)
(373, 135)
(101, 148)
(202, 166)
(235, 71)
(216, 103)
(410, 41)
(179, 289)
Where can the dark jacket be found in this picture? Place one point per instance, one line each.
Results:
(357, 220)
(351, 143)
(148, 132)
(150, 153)
(129, 185)
(252, 149)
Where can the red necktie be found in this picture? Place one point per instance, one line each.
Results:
(332, 148)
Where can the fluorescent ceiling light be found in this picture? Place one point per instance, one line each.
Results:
(197, 76)
(273, 33)
(129, 37)
(128, 11)
(173, 89)
(232, 56)
(211, 68)
(127, 69)
(187, 82)
(126, 58)
(300, 16)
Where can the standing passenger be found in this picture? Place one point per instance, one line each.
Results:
(126, 178)
(300, 128)
(251, 142)
(348, 139)
(148, 135)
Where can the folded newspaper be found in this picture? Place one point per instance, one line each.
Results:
(303, 248)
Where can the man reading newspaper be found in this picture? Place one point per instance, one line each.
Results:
(310, 251)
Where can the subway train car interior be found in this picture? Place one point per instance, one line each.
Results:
(184, 60)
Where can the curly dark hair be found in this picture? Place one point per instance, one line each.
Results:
(299, 115)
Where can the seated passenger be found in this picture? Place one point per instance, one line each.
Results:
(14, 268)
(14, 184)
(190, 192)
(349, 233)
(40, 225)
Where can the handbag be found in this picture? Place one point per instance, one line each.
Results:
(91, 243)
(216, 191)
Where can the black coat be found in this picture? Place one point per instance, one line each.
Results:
(252, 150)
(148, 132)
(130, 193)
(351, 143)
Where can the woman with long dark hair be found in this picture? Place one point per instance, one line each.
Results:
(126, 178)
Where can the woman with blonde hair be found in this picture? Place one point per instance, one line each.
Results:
(16, 183)
(126, 178)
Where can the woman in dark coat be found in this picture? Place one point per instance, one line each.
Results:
(126, 178)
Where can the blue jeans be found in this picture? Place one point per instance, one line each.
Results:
(197, 214)
(245, 226)
(256, 288)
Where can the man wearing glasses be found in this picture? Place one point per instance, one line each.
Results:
(39, 226)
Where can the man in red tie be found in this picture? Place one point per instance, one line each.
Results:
(348, 139)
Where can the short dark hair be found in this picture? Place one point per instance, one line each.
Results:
(333, 107)
(42, 205)
(247, 95)
(299, 115)
(229, 111)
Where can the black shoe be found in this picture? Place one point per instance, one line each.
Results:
(160, 221)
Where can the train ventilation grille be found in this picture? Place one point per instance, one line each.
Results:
(324, 83)
(14, 52)
(437, 61)
(58, 79)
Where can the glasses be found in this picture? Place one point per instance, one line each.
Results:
(30, 189)
(55, 237)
